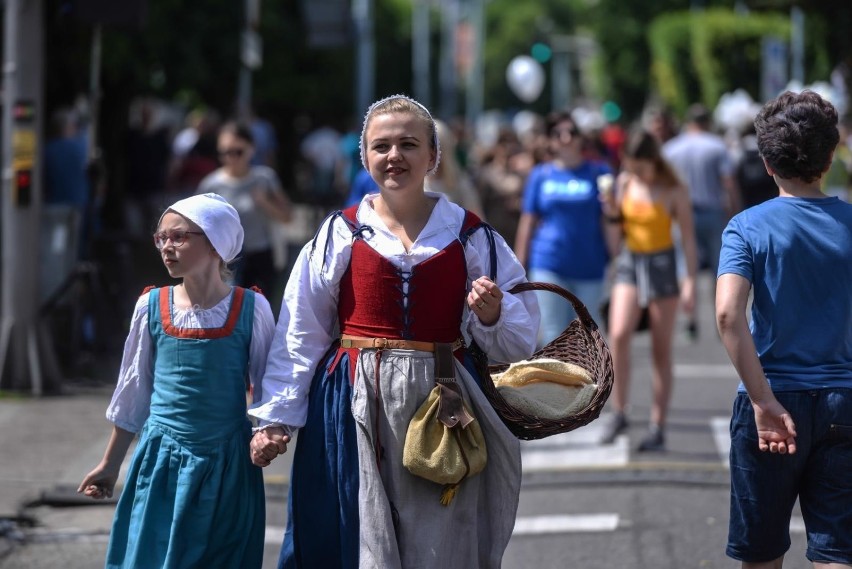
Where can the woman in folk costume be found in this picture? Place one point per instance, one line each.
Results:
(405, 273)
(192, 497)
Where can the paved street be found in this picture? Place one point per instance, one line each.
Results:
(582, 505)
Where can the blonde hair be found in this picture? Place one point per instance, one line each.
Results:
(401, 104)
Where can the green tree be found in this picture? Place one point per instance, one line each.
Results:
(714, 50)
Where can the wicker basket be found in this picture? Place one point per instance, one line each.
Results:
(582, 344)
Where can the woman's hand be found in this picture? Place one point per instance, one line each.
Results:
(267, 444)
(99, 483)
(485, 299)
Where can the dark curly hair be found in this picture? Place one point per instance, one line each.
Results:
(796, 135)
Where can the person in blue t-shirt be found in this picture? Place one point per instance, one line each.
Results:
(560, 237)
(66, 178)
(791, 430)
(362, 185)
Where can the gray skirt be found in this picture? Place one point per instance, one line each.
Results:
(402, 522)
(653, 274)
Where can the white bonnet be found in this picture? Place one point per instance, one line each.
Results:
(436, 143)
(218, 219)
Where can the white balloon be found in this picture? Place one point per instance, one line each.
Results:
(525, 77)
(524, 123)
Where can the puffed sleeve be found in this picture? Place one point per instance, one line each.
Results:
(131, 401)
(513, 337)
(305, 326)
(263, 329)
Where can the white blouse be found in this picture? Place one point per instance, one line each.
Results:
(131, 400)
(308, 315)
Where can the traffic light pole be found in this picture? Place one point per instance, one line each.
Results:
(20, 352)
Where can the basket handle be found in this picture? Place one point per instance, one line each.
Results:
(579, 307)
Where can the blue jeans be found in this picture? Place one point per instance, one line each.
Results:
(709, 225)
(764, 486)
(557, 312)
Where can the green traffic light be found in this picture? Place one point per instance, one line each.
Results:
(611, 111)
(541, 52)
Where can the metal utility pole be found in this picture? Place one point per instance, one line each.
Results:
(476, 76)
(449, 24)
(561, 88)
(94, 92)
(20, 347)
(797, 44)
(420, 50)
(365, 55)
(251, 57)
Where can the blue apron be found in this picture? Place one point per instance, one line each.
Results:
(192, 497)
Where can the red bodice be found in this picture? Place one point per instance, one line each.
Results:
(374, 301)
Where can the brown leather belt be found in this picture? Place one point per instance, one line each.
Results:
(347, 341)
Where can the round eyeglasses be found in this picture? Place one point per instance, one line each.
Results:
(177, 237)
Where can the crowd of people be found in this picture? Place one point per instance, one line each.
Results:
(413, 264)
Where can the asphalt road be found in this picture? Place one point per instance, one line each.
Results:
(583, 504)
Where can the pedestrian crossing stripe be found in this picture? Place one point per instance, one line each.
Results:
(722, 438)
(580, 448)
(537, 525)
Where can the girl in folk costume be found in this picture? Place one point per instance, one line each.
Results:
(404, 274)
(192, 497)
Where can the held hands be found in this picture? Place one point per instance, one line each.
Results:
(485, 299)
(776, 431)
(267, 444)
(99, 483)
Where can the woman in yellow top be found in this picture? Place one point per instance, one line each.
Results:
(648, 198)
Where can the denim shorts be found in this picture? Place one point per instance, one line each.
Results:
(653, 274)
(765, 486)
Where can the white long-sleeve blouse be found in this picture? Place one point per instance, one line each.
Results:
(308, 316)
(131, 401)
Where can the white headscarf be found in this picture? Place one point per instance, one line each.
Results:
(435, 142)
(219, 221)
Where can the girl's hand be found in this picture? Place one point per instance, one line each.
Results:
(267, 444)
(485, 299)
(99, 483)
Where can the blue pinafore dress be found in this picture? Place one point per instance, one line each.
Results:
(192, 497)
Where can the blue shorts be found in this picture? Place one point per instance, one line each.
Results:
(764, 486)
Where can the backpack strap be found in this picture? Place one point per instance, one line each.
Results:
(349, 216)
(470, 225)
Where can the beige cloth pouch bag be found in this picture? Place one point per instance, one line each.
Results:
(444, 442)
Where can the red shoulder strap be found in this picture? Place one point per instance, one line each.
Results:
(257, 289)
(471, 220)
(350, 213)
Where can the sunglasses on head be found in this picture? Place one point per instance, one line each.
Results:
(177, 236)
(233, 152)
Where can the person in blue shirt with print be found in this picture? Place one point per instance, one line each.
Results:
(561, 239)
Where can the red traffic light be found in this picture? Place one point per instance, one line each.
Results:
(23, 179)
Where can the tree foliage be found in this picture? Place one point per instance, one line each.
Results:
(190, 53)
(698, 45)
